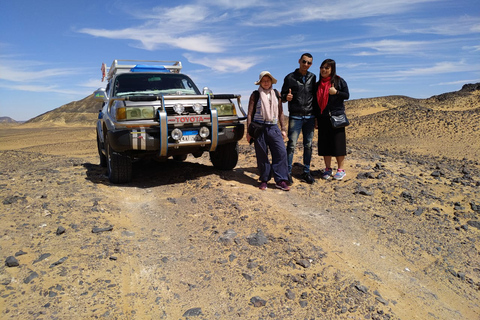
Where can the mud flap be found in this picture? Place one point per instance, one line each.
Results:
(162, 119)
(214, 121)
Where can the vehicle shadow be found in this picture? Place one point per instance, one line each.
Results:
(148, 174)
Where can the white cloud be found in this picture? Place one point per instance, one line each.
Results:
(388, 47)
(21, 75)
(224, 65)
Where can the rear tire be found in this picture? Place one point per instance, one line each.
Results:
(225, 157)
(119, 166)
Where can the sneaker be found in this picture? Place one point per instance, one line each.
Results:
(290, 180)
(307, 177)
(327, 173)
(282, 185)
(263, 185)
(339, 175)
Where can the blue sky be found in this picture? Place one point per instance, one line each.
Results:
(51, 51)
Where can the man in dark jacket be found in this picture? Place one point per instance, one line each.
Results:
(298, 90)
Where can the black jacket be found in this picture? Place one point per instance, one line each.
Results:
(335, 103)
(303, 93)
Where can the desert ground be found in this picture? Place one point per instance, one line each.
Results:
(398, 238)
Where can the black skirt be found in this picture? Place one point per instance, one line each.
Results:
(331, 142)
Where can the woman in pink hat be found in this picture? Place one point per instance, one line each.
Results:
(265, 109)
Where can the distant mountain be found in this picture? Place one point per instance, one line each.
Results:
(7, 120)
(82, 112)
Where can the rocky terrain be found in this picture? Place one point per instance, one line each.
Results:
(398, 238)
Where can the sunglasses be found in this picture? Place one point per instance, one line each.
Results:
(307, 62)
(325, 67)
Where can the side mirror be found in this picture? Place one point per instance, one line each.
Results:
(206, 90)
(100, 95)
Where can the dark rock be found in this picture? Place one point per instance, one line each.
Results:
(42, 257)
(247, 276)
(11, 261)
(32, 276)
(98, 230)
(172, 200)
(60, 230)
(20, 253)
(361, 288)
(304, 263)
(418, 212)
(303, 303)
(194, 312)
(228, 236)
(363, 191)
(474, 223)
(257, 239)
(290, 294)
(258, 302)
(62, 260)
(475, 207)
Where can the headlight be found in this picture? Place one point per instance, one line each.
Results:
(176, 134)
(225, 109)
(204, 132)
(135, 113)
(198, 108)
(179, 108)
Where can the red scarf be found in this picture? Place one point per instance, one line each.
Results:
(322, 92)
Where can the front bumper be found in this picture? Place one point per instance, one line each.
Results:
(152, 139)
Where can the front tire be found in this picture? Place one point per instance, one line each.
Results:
(103, 158)
(225, 157)
(119, 166)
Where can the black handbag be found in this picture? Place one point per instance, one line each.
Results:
(255, 129)
(339, 121)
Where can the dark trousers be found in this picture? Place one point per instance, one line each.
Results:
(271, 138)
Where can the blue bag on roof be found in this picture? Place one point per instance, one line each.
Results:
(145, 68)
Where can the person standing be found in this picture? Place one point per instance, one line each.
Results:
(265, 108)
(298, 90)
(330, 93)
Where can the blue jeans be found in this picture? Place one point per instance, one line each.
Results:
(307, 126)
(272, 139)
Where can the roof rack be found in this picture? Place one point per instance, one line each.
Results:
(122, 66)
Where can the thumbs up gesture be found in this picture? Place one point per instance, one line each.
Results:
(289, 95)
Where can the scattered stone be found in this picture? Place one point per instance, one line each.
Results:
(290, 294)
(258, 302)
(228, 236)
(257, 239)
(20, 253)
(32, 276)
(194, 312)
(474, 223)
(475, 207)
(418, 212)
(42, 257)
(11, 262)
(60, 230)
(304, 263)
(361, 288)
(62, 260)
(303, 303)
(98, 230)
(247, 276)
(363, 191)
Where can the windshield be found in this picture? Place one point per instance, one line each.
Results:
(154, 83)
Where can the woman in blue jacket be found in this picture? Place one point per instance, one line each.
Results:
(331, 92)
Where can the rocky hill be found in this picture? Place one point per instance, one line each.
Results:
(82, 112)
(7, 120)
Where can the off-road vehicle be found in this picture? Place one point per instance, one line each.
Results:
(150, 109)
